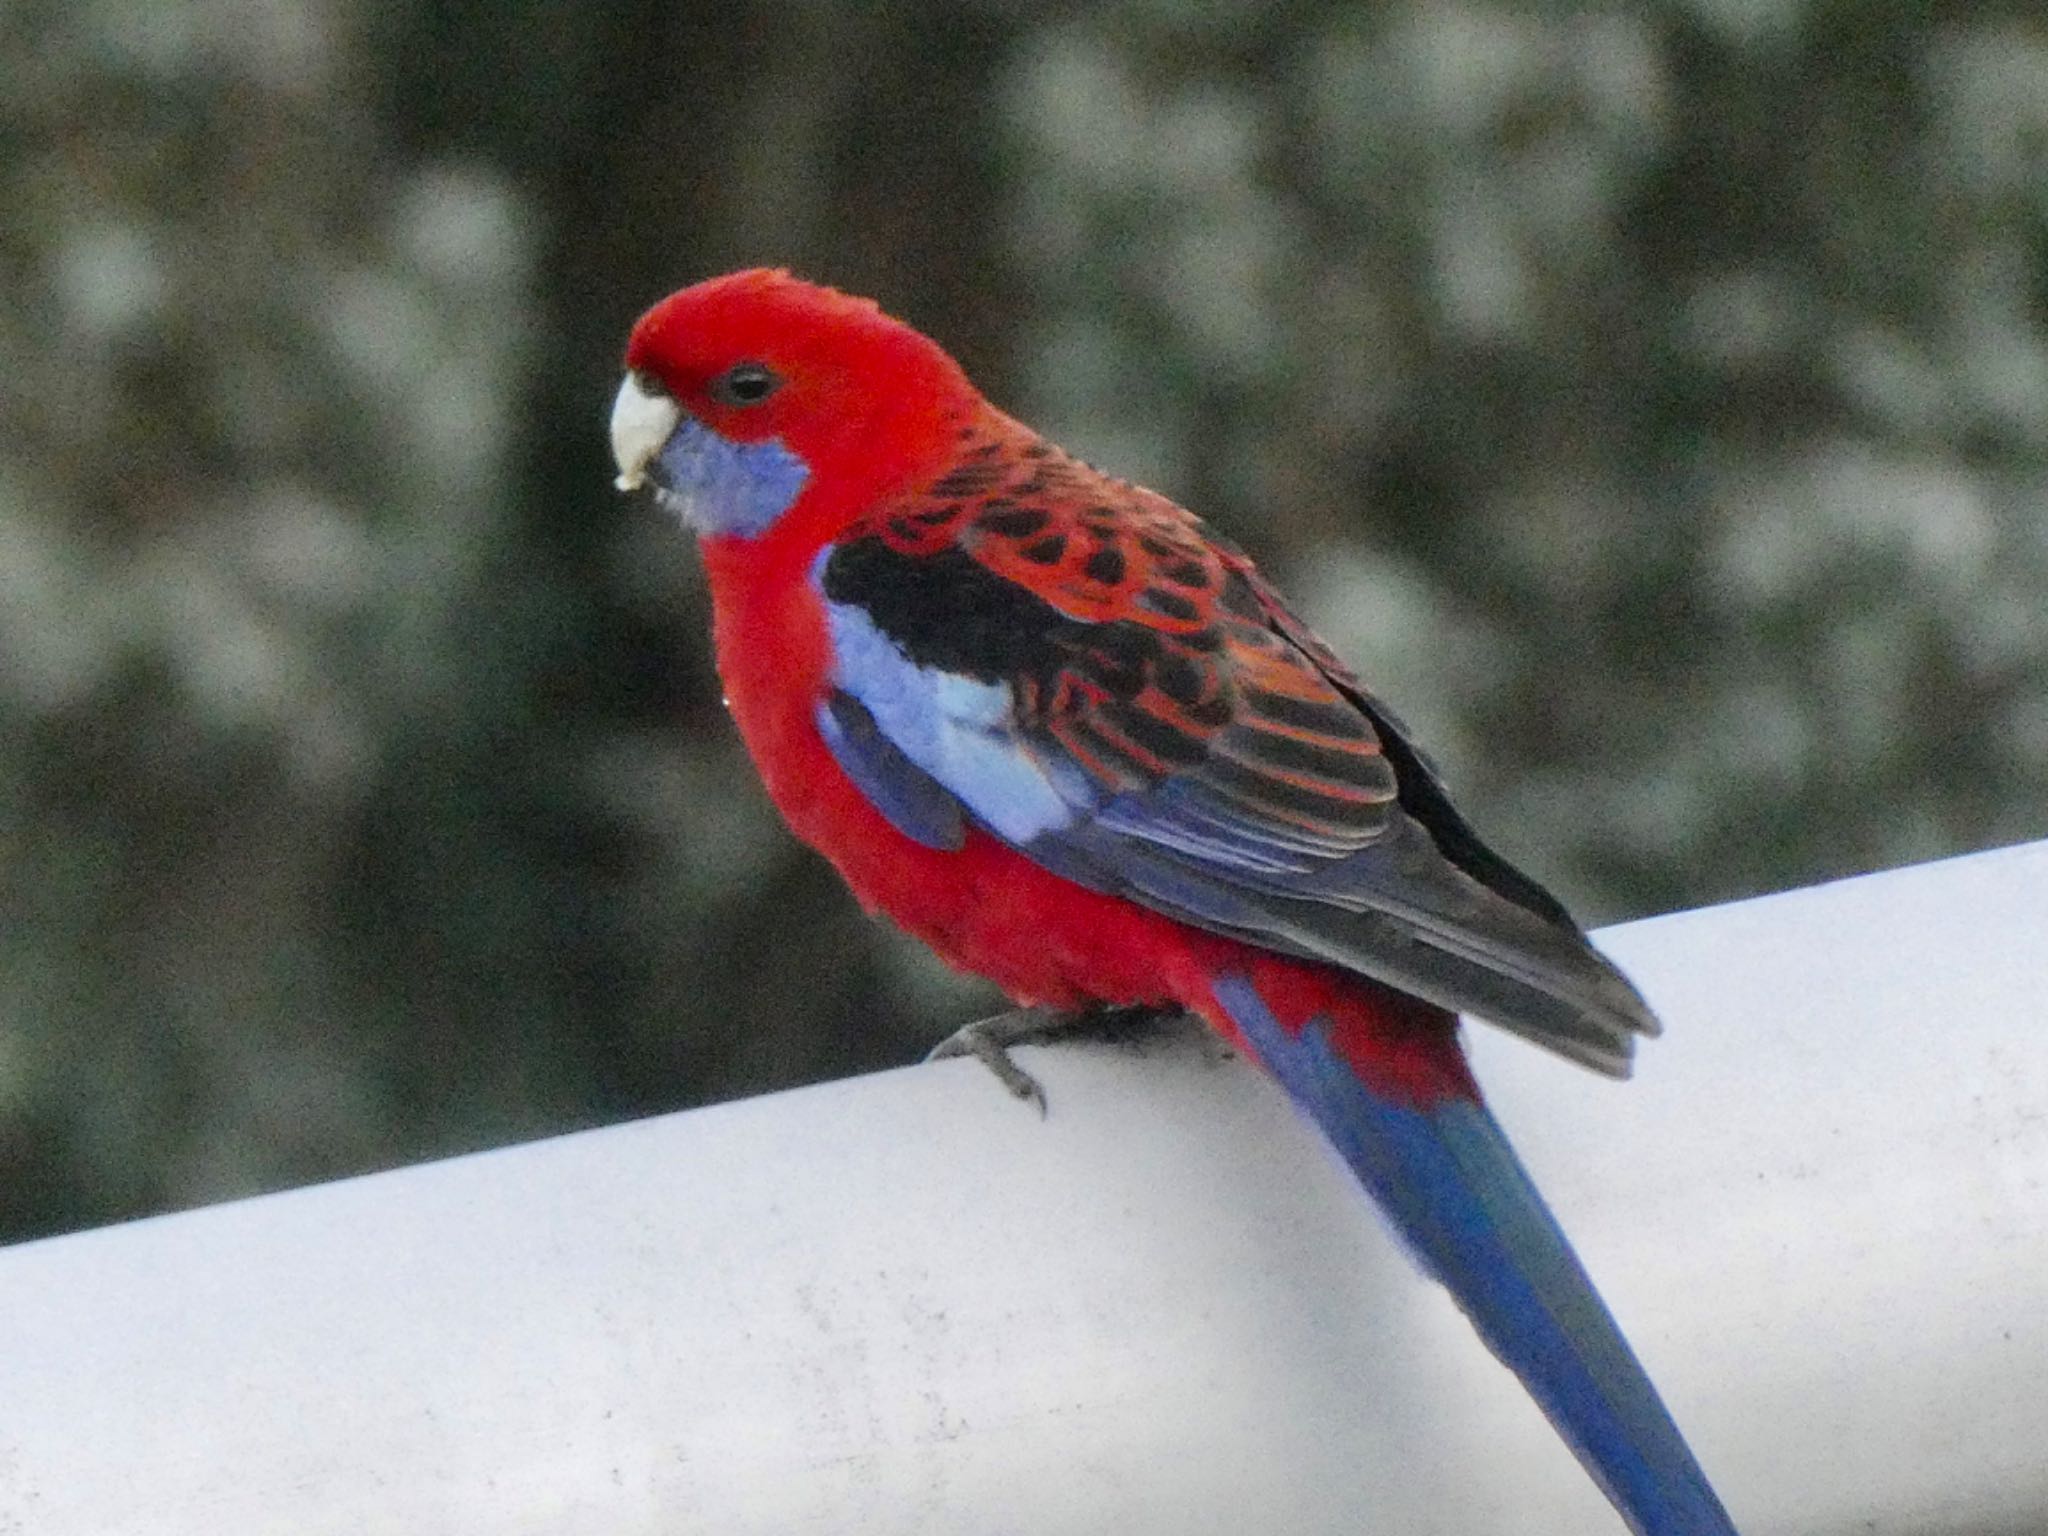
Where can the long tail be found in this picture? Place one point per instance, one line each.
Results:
(1384, 1079)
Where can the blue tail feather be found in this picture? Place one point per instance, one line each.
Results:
(1447, 1178)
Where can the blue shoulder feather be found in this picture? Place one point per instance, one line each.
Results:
(915, 803)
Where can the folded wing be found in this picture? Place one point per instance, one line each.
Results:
(1124, 700)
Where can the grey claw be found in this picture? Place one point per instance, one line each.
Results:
(989, 1042)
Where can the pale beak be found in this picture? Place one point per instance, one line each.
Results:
(643, 420)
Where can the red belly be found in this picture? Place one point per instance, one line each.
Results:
(986, 909)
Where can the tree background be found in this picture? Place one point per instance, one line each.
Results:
(1651, 401)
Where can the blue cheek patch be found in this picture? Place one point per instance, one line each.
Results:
(722, 487)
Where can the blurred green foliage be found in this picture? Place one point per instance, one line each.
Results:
(1652, 402)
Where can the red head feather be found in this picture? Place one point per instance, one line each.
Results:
(869, 405)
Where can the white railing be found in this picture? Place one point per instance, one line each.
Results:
(905, 1304)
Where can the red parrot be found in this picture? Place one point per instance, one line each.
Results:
(1056, 728)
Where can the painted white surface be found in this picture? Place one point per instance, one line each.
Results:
(904, 1304)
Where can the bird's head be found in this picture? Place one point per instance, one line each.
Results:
(756, 400)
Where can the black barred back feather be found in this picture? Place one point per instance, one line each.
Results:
(1139, 642)
(1275, 798)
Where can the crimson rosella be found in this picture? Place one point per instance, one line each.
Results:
(1075, 742)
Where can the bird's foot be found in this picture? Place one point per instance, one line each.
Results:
(989, 1041)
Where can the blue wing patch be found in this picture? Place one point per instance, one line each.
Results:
(958, 732)
(916, 804)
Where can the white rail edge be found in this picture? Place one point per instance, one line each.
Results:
(906, 1304)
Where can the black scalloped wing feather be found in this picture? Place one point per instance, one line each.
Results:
(1243, 779)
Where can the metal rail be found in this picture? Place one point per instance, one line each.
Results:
(904, 1304)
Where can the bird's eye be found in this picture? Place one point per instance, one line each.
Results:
(745, 384)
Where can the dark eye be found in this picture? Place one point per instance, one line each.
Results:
(745, 384)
